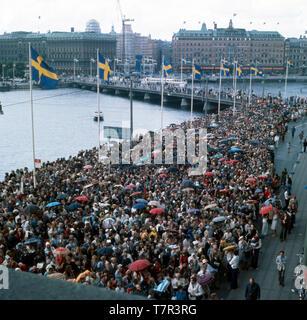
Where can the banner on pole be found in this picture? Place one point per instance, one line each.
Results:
(38, 163)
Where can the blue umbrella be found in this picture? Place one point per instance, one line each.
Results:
(231, 138)
(73, 206)
(53, 204)
(219, 219)
(141, 201)
(61, 196)
(232, 150)
(187, 184)
(255, 142)
(32, 240)
(305, 187)
(173, 169)
(139, 206)
(258, 191)
(193, 211)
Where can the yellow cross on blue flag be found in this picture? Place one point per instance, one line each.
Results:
(290, 64)
(256, 71)
(196, 72)
(41, 72)
(167, 68)
(186, 61)
(93, 60)
(224, 69)
(118, 60)
(238, 68)
(104, 68)
(76, 60)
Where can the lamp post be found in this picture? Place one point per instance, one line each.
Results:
(131, 112)
(14, 65)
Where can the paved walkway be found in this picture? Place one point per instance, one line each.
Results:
(267, 275)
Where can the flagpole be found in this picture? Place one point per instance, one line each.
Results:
(286, 80)
(192, 91)
(91, 69)
(32, 118)
(74, 70)
(250, 87)
(181, 70)
(235, 89)
(162, 92)
(219, 104)
(98, 101)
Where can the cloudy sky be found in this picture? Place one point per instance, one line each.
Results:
(160, 18)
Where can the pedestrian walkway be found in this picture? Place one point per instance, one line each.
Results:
(267, 275)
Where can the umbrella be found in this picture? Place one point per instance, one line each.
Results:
(52, 204)
(193, 211)
(105, 251)
(252, 180)
(32, 240)
(187, 189)
(141, 201)
(31, 208)
(73, 206)
(88, 167)
(118, 186)
(218, 156)
(135, 194)
(138, 206)
(130, 186)
(163, 175)
(262, 177)
(61, 251)
(173, 169)
(154, 203)
(222, 159)
(209, 174)
(219, 219)
(231, 138)
(77, 165)
(156, 211)
(305, 187)
(139, 265)
(187, 183)
(204, 278)
(224, 190)
(88, 186)
(82, 198)
(258, 190)
(266, 210)
(210, 206)
(235, 150)
(268, 201)
(61, 196)
(108, 223)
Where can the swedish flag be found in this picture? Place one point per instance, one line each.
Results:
(167, 68)
(256, 71)
(76, 60)
(196, 72)
(225, 62)
(104, 68)
(93, 60)
(186, 61)
(41, 72)
(290, 64)
(118, 60)
(146, 59)
(238, 68)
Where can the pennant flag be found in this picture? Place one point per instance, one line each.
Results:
(167, 69)
(196, 72)
(290, 64)
(104, 68)
(256, 71)
(42, 73)
(186, 61)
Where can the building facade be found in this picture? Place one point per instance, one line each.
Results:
(58, 49)
(296, 52)
(208, 46)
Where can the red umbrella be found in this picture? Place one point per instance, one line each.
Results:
(61, 251)
(156, 211)
(209, 174)
(82, 198)
(135, 194)
(163, 175)
(88, 167)
(224, 190)
(222, 159)
(130, 186)
(266, 210)
(139, 265)
(262, 177)
(252, 180)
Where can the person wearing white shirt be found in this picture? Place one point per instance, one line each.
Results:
(234, 263)
(195, 290)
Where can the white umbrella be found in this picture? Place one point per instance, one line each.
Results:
(108, 223)
(154, 203)
(210, 206)
(219, 219)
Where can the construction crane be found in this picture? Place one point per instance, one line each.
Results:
(124, 20)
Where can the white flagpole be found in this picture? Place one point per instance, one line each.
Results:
(250, 88)
(192, 91)
(32, 118)
(91, 69)
(162, 92)
(219, 104)
(74, 70)
(98, 101)
(286, 80)
(181, 70)
(235, 89)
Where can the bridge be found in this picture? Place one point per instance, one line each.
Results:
(153, 93)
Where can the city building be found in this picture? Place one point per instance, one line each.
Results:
(208, 46)
(296, 53)
(58, 48)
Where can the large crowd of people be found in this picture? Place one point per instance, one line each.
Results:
(90, 223)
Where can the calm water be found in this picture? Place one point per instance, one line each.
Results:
(64, 123)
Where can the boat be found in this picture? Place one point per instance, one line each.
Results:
(96, 116)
